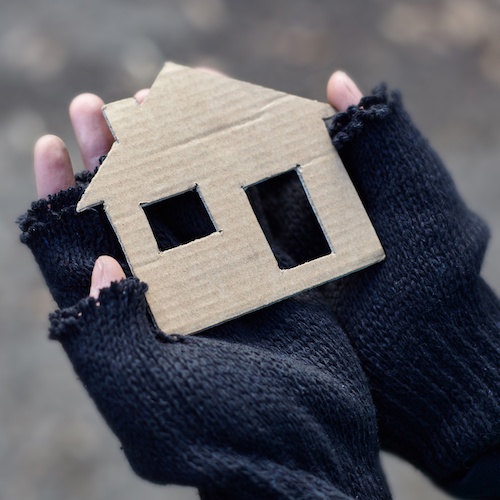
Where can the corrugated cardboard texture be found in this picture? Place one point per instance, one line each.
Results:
(197, 129)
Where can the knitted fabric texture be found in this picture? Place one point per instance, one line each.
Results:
(271, 405)
(62, 244)
(423, 323)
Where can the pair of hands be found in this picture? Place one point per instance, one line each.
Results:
(271, 405)
(54, 172)
(207, 409)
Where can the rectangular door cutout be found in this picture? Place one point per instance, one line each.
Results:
(288, 219)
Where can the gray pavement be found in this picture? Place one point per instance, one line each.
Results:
(443, 54)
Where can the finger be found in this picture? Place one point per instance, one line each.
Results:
(342, 92)
(141, 95)
(52, 164)
(106, 270)
(91, 130)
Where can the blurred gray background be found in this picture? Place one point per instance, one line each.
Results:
(443, 54)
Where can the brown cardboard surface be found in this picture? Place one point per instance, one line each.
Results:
(218, 135)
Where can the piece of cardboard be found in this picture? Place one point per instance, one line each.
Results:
(206, 131)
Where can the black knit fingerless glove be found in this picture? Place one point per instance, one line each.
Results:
(271, 405)
(424, 324)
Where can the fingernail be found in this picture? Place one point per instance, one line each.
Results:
(353, 89)
(348, 84)
(98, 278)
(102, 271)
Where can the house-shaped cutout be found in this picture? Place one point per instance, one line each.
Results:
(211, 137)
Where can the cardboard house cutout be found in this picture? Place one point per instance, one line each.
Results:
(213, 137)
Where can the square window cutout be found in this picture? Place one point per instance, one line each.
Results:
(288, 220)
(179, 219)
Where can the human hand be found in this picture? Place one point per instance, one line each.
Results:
(423, 323)
(61, 242)
(273, 404)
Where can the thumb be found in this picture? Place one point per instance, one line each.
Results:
(342, 92)
(106, 270)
